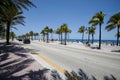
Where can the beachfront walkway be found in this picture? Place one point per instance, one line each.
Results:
(17, 64)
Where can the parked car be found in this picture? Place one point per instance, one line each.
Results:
(26, 41)
(19, 39)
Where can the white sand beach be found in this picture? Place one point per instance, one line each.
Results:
(80, 45)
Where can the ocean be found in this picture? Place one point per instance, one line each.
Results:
(85, 40)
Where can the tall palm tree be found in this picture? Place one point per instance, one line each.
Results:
(114, 22)
(10, 13)
(65, 30)
(82, 29)
(98, 19)
(47, 30)
(20, 4)
(61, 33)
(12, 17)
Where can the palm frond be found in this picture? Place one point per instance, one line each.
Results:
(110, 27)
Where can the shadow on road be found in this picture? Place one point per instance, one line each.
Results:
(81, 75)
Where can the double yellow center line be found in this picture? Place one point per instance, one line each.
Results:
(48, 61)
(51, 63)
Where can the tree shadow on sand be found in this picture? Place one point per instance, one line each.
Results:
(33, 75)
(15, 49)
(11, 66)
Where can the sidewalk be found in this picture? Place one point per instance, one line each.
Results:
(17, 64)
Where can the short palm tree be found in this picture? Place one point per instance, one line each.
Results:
(98, 19)
(65, 30)
(82, 29)
(51, 31)
(12, 35)
(31, 34)
(58, 32)
(28, 35)
(114, 22)
(88, 32)
(37, 34)
(43, 34)
(92, 32)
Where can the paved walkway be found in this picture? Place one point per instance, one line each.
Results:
(17, 64)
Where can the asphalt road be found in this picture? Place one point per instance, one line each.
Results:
(98, 64)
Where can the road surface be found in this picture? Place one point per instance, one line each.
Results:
(98, 64)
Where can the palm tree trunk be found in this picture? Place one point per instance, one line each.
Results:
(118, 35)
(47, 37)
(82, 36)
(88, 37)
(65, 37)
(51, 36)
(61, 38)
(92, 38)
(99, 38)
(8, 33)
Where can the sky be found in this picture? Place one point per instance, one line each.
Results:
(74, 13)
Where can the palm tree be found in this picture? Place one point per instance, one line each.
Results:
(47, 30)
(28, 35)
(43, 34)
(12, 35)
(51, 31)
(58, 32)
(12, 17)
(88, 32)
(114, 22)
(10, 13)
(92, 32)
(61, 33)
(98, 19)
(65, 31)
(20, 4)
(31, 34)
(82, 29)
(37, 34)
